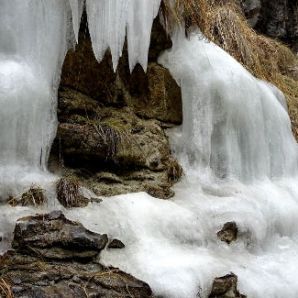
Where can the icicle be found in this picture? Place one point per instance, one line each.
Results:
(140, 20)
(108, 21)
(77, 7)
(107, 27)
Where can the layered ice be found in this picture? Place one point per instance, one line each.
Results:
(109, 22)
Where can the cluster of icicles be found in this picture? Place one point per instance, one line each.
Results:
(110, 21)
(236, 146)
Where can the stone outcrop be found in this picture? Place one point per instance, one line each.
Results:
(111, 133)
(226, 287)
(153, 95)
(277, 19)
(53, 257)
(111, 150)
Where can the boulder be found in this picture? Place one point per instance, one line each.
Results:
(116, 243)
(228, 233)
(26, 276)
(53, 258)
(225, 287)
(52, 236)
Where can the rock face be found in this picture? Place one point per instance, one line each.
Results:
(111, 150)
(252, 9)
(153, 95)
(225, 287)
(111, 134)
(48, 260)
(279, 19)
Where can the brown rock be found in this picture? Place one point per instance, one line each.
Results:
(47, 263)
(31, 277)
(116, 243)
(228, 233)
(161, 192)
(225, 287)
(154, 94)
(52, 236)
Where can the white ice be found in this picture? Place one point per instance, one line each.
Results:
(234, 125)
(110, 20)
(77, 7)
(33, 42)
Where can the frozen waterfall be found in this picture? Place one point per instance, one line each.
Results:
(240, 162)
(235, 126)
(236, 146)
(33, 42)
(34, 38)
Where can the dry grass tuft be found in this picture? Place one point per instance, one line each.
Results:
(33, 197)
(5, 289)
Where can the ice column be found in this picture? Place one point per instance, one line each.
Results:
(33, 44)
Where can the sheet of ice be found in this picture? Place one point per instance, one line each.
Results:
(110, 20)
(234, 125)
(33, 35)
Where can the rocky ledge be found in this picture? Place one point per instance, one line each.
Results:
(56, 257)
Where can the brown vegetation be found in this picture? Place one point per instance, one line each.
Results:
(5, 289)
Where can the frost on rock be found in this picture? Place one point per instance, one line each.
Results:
(110, 20)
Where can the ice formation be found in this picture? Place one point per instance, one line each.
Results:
(32, 47)
(234, 125)
(77, 7)
(110, 20)
(235, 144)
(240, 162)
